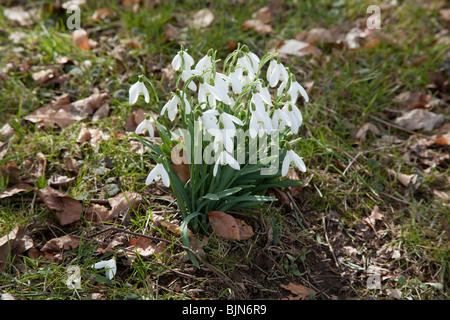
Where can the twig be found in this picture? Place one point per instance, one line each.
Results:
(329, 244)
(210, 267)
(398, 127)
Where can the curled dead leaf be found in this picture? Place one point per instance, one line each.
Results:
(361, 133)
(202, 19)
(80, 39)
(67, 209)
(65, 243)
(13, 244)
(417, 119)
(301, 292)
(21, 187)
(226, 226)
(123, 202)
(258, 26)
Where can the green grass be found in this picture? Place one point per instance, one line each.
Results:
(350, 87)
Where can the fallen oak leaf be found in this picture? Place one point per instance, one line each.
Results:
(258, 26)
(202, 19)
(301, 292)
(21, 187)
(420, 119)
(66, 243)
(14, 243)
(67, 209)
(228, 227)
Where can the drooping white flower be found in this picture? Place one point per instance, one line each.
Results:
(276, 72)
(158, 173)
(225, 158)
(209, 119)
(260, 123)
(137, 89)
(295, 89)
(209, 93)
(171, 106)
(280, 119)
(294, 115)
(235, 79)
(204, 66)
(109, 265)
(292, 157)
(177, 61)
(229, 120)
(146, 124)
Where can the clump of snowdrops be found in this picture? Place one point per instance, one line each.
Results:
(230, 128)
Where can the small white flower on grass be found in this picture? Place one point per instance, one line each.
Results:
(137, 89)
(109, 265)
(225, 158)
(292, 157)
(146, 124)
(260, 123)
(158, 173)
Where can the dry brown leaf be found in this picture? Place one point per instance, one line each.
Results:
(445, 14)
(417, 119)
(245, 231)
(98, 213)
(258, 26)
(63, 113)
(36, 167)
(102, 14)
(143, 246)
(201, 19)
(317, 35)
(48, 77)
(10, 173)
(297, 48)
(6, 131)
(60, 181)
(226, 226)
(21, 16)
(65, 243)
(183, 171)
(361, 133)
(67, 209)
(170, 32)
(20, 187)
(13, 244)
(375, 215)
(301, 292)
(405, 179)
(120, 206)
(80, 39)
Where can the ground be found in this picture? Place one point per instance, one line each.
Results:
(370, 220)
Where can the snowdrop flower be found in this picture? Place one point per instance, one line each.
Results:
(260, 123)
(225, 158)
(209, 119)
(295, 89)
(109, 265)
(280, 119)
(294, 115)
(204, 66)
(292, 157)
(235, 80)
(209, 93)
(158, 173)
(276, 72)
(228, 121)
(146, 124)
(223, 136)
(172, 104)
(181, 56)
(137, 89)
